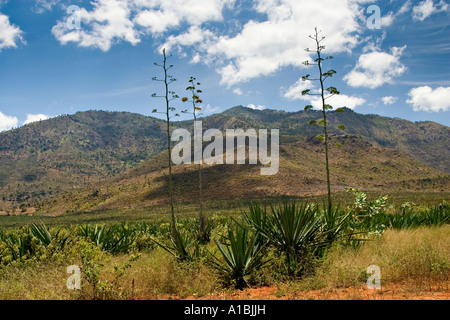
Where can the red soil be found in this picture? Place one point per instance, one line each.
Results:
(397, 291)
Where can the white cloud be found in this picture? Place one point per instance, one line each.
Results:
(7, 122)
(426, 99)
(426, 8)
(387, 20)
(337, 101)
(194, 35)
(35, 117)
(376, 68)
(108, 23)
(389, 100)
(254, 49)
(405, 7)
(295, 91)
(157, 16)
(209, 110)
(260, 108)
(262, 48)
(10, 35)
(340, 101)
(238, 91)
(112, 21)
(45, 5)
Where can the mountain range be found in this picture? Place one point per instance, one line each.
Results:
(98, 160)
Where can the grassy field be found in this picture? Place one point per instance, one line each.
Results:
(136, 254)
(212, 207)
(414, 256)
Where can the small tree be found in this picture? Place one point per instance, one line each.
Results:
(168, 97)
(195, 100)
(324, 95)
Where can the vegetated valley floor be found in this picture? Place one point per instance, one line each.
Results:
(136, 190)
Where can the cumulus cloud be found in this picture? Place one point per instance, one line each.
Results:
(209, 110)
(248, 54)
(376, 68)
(426, 8)
(194, 35)
(426, 99)
(389, 100)
(256, 48)
(7, 122)
(259, 107)
(388, 20)
(45, 5)
(238, 91)
(295, 91)
(113, 21)
(35, 117)
(10, 35)
(341, 101)
(405, 7)
(107, 23)
(157, 16)
(337, 101)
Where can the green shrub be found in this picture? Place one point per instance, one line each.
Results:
(115, 239)
(241, 254)
(296, 231)
(180, 245)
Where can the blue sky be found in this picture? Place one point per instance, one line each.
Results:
(57, 61)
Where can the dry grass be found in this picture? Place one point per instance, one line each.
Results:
(411, 262)
(155, 275)
(406, 255)
(34, 282)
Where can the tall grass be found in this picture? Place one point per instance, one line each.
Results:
(402, 255)
(415, 243)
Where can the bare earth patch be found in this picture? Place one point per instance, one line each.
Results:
(395, 291)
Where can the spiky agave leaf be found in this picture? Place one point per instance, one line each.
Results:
(41, 232)
(242, 255)
(179, 245)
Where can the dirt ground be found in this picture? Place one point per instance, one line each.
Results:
(397, 291)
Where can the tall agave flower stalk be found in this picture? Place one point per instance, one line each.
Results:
(168, 96)
(195, 100)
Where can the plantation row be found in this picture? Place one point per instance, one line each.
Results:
(298, 233)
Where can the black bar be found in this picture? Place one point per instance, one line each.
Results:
(228, 309)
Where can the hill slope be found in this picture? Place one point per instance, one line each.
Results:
(428, 142)
(358, 163)
(50, 157)
(44, 158)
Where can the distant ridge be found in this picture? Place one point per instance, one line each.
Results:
(51, 157)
